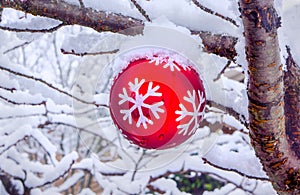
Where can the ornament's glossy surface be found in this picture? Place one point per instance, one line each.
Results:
(156, 102)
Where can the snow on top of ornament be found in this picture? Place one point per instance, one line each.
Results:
(157, 99)
(154, 54)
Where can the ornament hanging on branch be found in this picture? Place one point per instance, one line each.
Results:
(157, 99)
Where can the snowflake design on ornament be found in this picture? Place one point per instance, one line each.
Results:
(170, 63)
(192, 125)
(139, 102)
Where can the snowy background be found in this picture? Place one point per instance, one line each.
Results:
(54, 139)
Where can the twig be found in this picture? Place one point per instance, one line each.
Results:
(236, 171)
(49, 30)
(215, 13)
(8, 89)
(1, 10)
(222, 71)
(16, 47)
(241, 118)
(141, 10)
(72, 52)
(137, 165)
(49, 123)
(21, 103)
(81, 3)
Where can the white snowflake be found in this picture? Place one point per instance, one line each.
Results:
(139, 103)
(170, 63)
(157, 59)
(192, 125)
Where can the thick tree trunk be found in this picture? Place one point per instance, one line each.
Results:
(266, 96)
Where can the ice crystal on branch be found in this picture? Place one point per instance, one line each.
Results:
(194, 115)
(138, 102)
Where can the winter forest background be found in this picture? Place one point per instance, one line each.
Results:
(56, 135)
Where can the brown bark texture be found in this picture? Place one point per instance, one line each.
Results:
(104, 21)
(266, 95)
(292, 102)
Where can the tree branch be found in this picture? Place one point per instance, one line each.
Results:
(218, 44)
(141, 10)
(215, 13)
(73, 14)
(8, 184)
(265, 92)
(292, 102)
(222, 45)
(52, 29)
(239, 117)
(234, 170)
(16, 47)
(72, 52)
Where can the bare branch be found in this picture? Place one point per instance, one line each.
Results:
(8, 89)
(16, 47)
(141, 10)
(222, 71)
(20, 103)
(239, 117)
(49, 30)
(137, 164)
(49, 123)
(215, 13)
(81, 3)
(72, 52)
(1, 10)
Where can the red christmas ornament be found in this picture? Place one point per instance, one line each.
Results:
(157, 102)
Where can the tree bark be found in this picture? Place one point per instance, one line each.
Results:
(266, 95)
(292, 102)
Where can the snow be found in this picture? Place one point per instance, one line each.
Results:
(87, 191)
(52, 174)
(234, 149)
(68, 183)
(21, 110)
(46, 144)
(290, 29)
(6, 166)
(2, 189)
(102, 99)
(122, 61)
(16, 19)
(14, 137)
(167, 185)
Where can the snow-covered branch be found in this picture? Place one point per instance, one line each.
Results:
(69, 14)
(48, 85)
